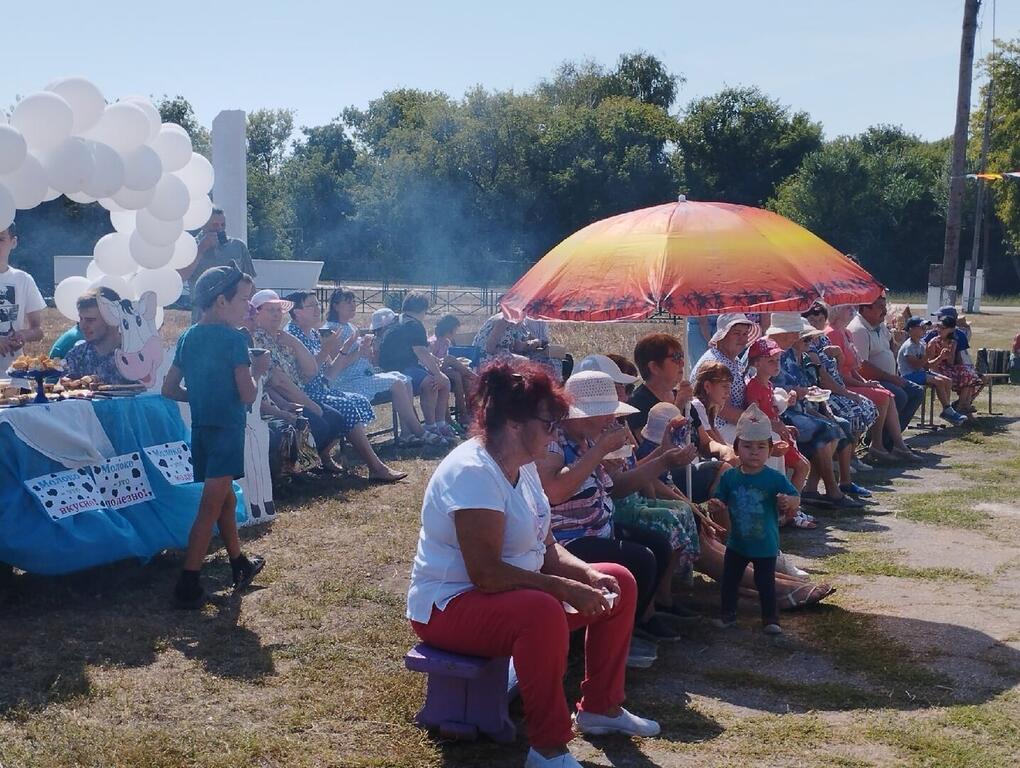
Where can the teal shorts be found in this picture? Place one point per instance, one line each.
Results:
(217, 452)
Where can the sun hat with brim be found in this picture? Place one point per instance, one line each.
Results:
(268, 296)
(382, 318)
(788, 322)
(726, 321)
(604, 364)
(659, 417)
(214, 282)
(593, 393)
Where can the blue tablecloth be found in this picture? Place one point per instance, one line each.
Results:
(31, 540)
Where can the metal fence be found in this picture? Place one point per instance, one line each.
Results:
(465, 301)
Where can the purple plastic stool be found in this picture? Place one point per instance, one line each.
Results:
(465, 694)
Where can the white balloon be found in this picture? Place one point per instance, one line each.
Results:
(155, 121)
(157, 231)
(123, 221)
(197, 175)
(81, 197)
(165, 282)
(148, 255)
(124, 126)
(27, 183)
(185, 251)
(51, 194)
(44, 119)
(66, 294)
(93, 271)
(173, 145)
(132, 200)
(113, 254)
(7, 207)
(115, 283)
(171, 200)
(13, 149)
(85, 99)
(142, 168)
(198, 212)
(108, 174)
(111, 205)
(69, 166)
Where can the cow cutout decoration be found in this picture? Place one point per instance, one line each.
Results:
(140, 354)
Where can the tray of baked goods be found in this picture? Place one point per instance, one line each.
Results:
(49, 390)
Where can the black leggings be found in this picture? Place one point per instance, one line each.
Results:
(734, 565)
(636, 558)
(327, 427)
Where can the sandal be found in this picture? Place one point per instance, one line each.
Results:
(388, 479)
(798, 598)
(802, 520)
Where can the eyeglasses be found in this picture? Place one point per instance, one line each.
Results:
(550, 424)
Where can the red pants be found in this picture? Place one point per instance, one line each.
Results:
(532, 627)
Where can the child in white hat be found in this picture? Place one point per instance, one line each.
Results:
(754, 495)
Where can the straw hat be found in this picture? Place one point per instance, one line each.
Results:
(593, 393)
(753, 424)
(604, 364)
(727, 321)
(659, 417)
(267, 296)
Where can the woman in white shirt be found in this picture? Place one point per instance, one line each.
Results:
(489, 579)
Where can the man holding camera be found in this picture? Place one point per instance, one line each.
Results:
(215, 249)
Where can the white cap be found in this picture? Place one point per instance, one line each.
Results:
(593, 393)
(267, 296)
(781, 400)
(382, 318)
(604, 364)
(753, 424)
(659, 417)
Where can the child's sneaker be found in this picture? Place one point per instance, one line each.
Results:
(725, 622)
(245, 570)
(953, 416)
(772, 629)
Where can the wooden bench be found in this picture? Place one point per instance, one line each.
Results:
(465, 695)
(990, 379)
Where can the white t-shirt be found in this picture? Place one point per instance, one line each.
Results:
(19, 296)
(873, 344)
(469, 478)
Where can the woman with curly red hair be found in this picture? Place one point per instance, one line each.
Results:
(489, 579)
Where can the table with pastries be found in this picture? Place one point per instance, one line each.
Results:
(92, 481)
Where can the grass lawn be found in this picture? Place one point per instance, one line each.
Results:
(915, 661)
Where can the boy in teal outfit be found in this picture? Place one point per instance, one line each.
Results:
(753, 494)
(213, 360)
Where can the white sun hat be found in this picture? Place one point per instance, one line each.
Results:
(730, 319)
(382, 318)
(791, 322)
(267, 296)
(659, 417)
(604, 364)
(593, 393)
(753, 424)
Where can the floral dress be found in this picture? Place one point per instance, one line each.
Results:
(356, 409)
(962, 375)
(360, 377)
(861, 415)
(813, 429)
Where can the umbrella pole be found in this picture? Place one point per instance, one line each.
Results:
(688, 471)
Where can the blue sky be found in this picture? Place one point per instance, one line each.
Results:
(849, 63)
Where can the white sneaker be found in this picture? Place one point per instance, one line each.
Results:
(565, 760)
(786, 566)
(625, 722)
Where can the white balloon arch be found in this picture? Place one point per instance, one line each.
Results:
(67, 140)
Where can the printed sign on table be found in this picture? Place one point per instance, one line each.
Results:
(63, 494)
(173, 460)
(121, 481)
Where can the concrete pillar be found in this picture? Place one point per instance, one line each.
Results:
(230, 163)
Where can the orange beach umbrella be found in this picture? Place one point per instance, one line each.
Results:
(689, 259)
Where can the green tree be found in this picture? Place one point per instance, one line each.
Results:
(271, 230)
(738, 145)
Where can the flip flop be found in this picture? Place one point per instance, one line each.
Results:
(387, 480)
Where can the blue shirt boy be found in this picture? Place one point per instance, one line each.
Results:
(754, 518)
(207, 355)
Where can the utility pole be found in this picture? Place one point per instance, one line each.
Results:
(950, 257)
(979, 208)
